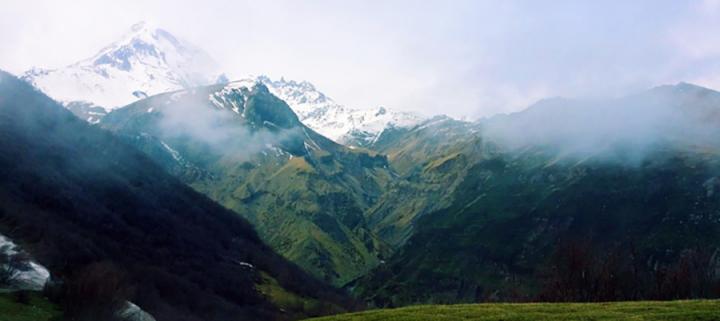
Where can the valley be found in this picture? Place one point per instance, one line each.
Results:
(144, 179)
(304, 193)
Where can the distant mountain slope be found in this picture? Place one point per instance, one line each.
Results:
(246, 149)
(432, 158)
(625, 128)
(74, 195)
(345, 125)
(568, 200)
(511, 214)
(146, 61)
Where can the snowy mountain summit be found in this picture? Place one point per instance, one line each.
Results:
(146, 61)
(149, 60)
(349, 126)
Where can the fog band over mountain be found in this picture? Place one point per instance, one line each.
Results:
(222, 131)
(285, 160)
(624, 129)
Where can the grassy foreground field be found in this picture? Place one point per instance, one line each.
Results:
(696, 310)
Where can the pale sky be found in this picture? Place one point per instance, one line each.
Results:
(462, 58)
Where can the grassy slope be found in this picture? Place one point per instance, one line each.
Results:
(432, 159)
(508, 214)
(307, 203)
(645, 310)
(309, 216)
(37, 309)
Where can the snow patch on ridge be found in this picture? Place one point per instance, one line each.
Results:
(335, 121)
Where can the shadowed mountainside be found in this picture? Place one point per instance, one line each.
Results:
(75, 195)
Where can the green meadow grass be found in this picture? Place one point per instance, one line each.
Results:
(36, 309)
(695, 310)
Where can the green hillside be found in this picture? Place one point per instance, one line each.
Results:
(432, 159)
(570, 220)
(616, 311)
(246, 149)
(113, 226)
(510, 215)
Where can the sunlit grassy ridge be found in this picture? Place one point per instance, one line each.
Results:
(696, 310)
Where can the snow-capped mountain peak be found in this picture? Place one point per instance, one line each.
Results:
(149, 45)
(342, 124)
(147, 60)
(301, 96)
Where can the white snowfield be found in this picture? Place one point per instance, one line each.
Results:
(146, 61)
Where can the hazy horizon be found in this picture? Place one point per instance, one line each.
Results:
(471, 58)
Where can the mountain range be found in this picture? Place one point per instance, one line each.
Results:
(288, 144)
(563, 201)
(246, 149)
(149, 60)
(567, 200)
(348, 126)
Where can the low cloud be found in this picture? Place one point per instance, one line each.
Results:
(626, 129)
(223, 132)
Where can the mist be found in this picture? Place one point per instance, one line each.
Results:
(627, 130)
(190, 118)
